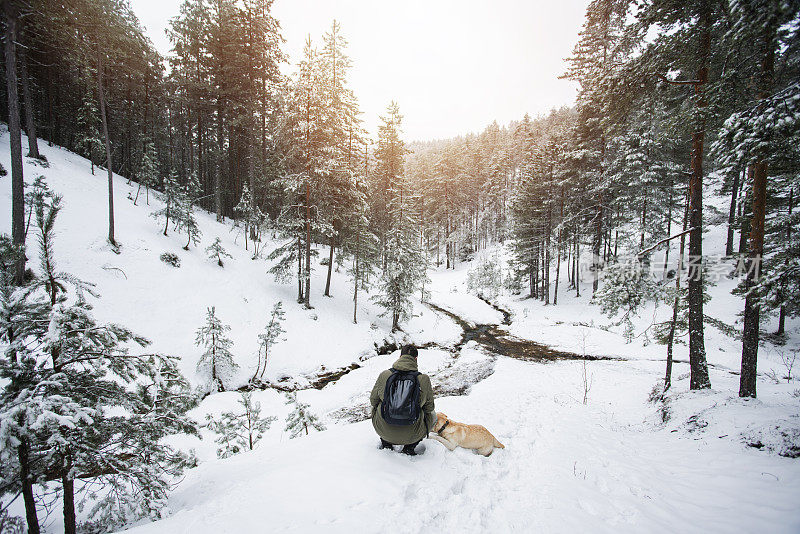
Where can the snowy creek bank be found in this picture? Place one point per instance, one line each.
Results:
(470, 361)
(497, 340)
(485, 342)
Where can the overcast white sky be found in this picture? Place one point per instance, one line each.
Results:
(453, 66)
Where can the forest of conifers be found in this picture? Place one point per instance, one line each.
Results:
(670, 92)
(678, 101)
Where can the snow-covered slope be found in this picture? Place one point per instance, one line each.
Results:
(168, 304)
(610, 465)
(603, 467)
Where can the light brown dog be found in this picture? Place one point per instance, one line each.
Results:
(452, 434)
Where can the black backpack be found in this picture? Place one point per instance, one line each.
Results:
(401, 398)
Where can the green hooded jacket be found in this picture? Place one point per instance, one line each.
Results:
(403, 434)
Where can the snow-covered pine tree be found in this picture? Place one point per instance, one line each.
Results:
(780, 286)
(89, 141)
(22, 314)
(763, 138)
(311, 159)
(238, 432)
(216, 252)
(406, 262)
(485, 279)
(627, 287)
(338, 188)
(289, 226)
(300, 419)
(245, 212)
(269, 337)
(39, 193)
(363, 245)
(60, 369)
(187, 220)
(527, 209)
(591, 60)
(173, 199)
(216, 365)
(148, 171)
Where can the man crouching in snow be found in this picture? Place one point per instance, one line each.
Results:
(402, 403)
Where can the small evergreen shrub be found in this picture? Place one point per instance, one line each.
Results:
(171, 259)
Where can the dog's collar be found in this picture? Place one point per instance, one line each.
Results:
(443, 427)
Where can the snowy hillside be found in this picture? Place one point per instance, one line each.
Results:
(167, 304)
(612, 464)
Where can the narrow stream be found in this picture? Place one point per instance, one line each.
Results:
(497, 340)
(493, 338)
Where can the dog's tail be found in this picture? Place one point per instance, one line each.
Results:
(498, 444)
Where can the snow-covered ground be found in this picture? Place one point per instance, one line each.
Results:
(610, 465)
(167, 305)
(603, 467)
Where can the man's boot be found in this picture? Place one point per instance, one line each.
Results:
(386, 445)
(409, 449)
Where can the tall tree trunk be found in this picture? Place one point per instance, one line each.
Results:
(732, 215)
(17, 180)
(559, 234)
(577, 259)
(669, 228)
(355, 277)
(307, 274)
(598, 238)
(330, 266)
(676, 303)
(747, 379)
(547, 258)
(782, 313)
(68, 487)
(220, 161)
(26, 479)
(746, 212)
(697, 351)
(644, 222)
(101, 97)
(251, 171)
(300, 268)
(30, 123)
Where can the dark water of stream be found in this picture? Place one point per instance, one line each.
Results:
(452, 380)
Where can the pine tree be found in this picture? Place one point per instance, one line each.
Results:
(485, 279)
(405, 261)
(251, 217)
(269, 337)
(216, 252)
(688, 42)
(11, 16)
(760, 136)
(89, 141)
(312, 159)
(173, 198)
(343, 132)
(363, 246)
(238, 432)
(148, 171)
(216, 365)
(186, 219)
(60, 369)
(289, 226)
(300, 419)
(628, 287)
(590, 63)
